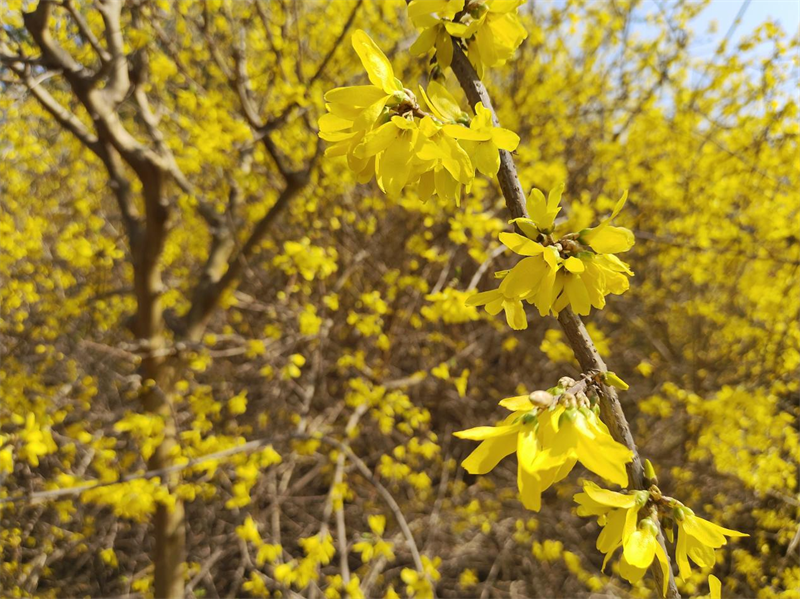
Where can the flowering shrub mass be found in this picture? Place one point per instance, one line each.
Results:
(249, 333)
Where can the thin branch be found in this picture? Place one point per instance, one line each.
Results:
(86, 31)
(149, 474)
(118, 81)
(277, 121)
(579, 340)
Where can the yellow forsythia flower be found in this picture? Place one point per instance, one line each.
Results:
(697, 539)
(533, 278)
(431, 16)
(482, 140)
(492, 30)
(574, 270)
(618, 514)
(383, 131)
(548, 442)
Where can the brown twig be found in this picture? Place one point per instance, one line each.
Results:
(577, 336)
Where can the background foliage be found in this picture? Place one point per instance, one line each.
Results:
(348, 327)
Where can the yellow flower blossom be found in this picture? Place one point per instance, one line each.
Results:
(555, 274)
(429, 16)
(482, 140)
(352, 111)
(618, 514)
(548, 442)
(697, 539)
(493, 31)
(607, 239)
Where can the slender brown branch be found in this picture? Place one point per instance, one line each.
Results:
(577, 336)
(277, 121)
(86, 31)
(218, 278)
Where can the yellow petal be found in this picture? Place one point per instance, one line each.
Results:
(611, 535)
(518, 403)
(521, 245)
(530, 489)
(700, 527)
(515, 314)
(505, 139)
(486, 159)
(573, 264)
(424, 42)
(619, 205)
(609, 240)
(479, 433)
(575, 290)
(329, 123)
(444, 48)
(483, 297)
(630, 572)
(609, 498)
(684, 567)
(640, 548)
(588, 506)
(527, 447)
(714, 587)
(631, 519)
(704, 531)
(701, 554)
(663, 560)
(606, 458)
(378, 67)
(489, 453)
(442, 102)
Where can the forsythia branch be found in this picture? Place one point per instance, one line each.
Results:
(577, 336)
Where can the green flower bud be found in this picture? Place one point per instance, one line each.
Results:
(641, 498)
(569, 415)
(649, 525)
(613, 380)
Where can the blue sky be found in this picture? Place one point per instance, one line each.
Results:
(786, 12)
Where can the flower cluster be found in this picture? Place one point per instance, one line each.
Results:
(576, 269)
(549, 431)
(618, 514)
(489, 30)
(383, 131)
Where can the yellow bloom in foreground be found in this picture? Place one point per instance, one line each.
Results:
(697, 539)
(482, 140)
(428, 15)
(494, 33)
(353, 111)
(606, 239)
(573, 271)
(618, 514)
(548, 442)
(639, 549)
(532, 278)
